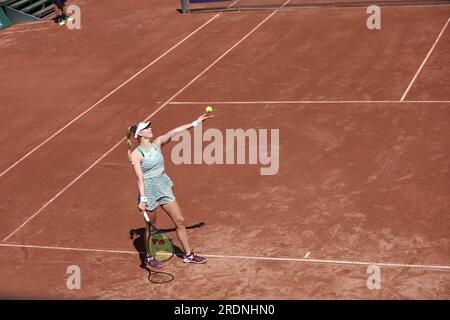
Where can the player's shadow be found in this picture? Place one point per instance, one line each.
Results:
(139, 238)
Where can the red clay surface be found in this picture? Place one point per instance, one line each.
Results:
(357, 181)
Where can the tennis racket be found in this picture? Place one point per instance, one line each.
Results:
(159, 244)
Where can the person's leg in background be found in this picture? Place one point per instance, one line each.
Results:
(60, 10)
(184, 6)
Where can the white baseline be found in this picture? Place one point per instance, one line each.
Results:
(259, 258)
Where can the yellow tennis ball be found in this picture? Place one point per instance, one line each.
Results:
(209, 109)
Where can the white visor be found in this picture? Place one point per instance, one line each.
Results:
(141, 126)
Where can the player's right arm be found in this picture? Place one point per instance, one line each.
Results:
(136, 158)
(165, 138)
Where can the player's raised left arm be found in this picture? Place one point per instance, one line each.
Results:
(165, 138)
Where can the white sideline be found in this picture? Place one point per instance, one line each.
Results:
(425, 60)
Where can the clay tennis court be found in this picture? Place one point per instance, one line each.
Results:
(364, 151)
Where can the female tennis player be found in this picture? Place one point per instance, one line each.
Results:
(155, 187)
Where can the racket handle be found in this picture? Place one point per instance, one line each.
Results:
(146, 216)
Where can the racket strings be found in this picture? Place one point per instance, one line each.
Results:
(159, 235)
(161, 246)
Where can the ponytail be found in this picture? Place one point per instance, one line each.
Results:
(131, 130)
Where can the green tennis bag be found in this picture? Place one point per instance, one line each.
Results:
(4, 21)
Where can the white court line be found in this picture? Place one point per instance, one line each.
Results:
(64, 189)
(425, 60)
(258, 258)
(107, 96)
(21, 31)
(123, 139)
(310, 102)
(13, 245)
(328, 261)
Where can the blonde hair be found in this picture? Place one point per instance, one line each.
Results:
(130, 131)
